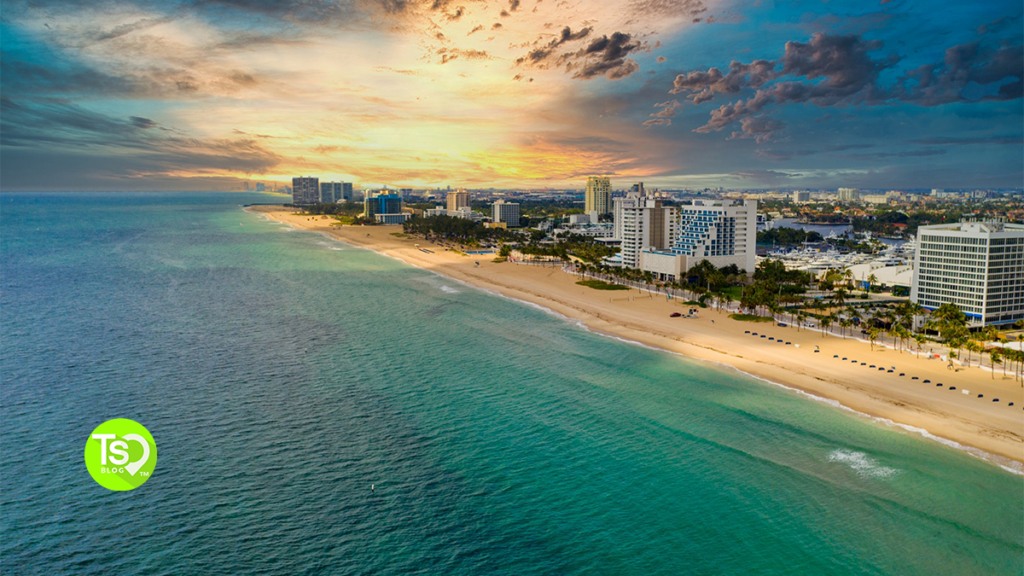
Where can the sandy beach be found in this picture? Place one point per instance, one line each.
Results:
(975, 423)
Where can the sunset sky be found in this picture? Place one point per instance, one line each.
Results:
(206, 94)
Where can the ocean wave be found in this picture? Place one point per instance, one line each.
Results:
(449, 290)
(331, 245)
(1011, 466)
(861, 463)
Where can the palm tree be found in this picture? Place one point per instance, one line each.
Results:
(872, 280)
(839, 297)
(994, 357)
(903, 334)
(872, 336)
(973, 346)
(920, 339)
(826, 322)
(844, 324)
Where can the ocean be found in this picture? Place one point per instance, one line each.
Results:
(282, 374)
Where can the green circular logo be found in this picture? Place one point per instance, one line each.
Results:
(120, 454)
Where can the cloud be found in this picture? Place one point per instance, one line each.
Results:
(606, 56)
(449, 54)
(948, 81)
(969, 140)
(124, 29)
(140, 122)
(667, 8)
(764, 176)
(704, 85)
(997, 25)
(760, 128)
(658, 122)
(538, 55)
(779, 155)
(668, 109)
(839, 70)
(898, 154)
(118, 148)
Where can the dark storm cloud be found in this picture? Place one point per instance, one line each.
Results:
(704, 85)
(606, 56)
(538, 55)
(759, 128)
(839, 70)
(947, 81)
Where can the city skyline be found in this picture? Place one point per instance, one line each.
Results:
(518, 94)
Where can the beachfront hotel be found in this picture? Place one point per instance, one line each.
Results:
(642, 223)
(977, 265)
(305, 190)
(722, 232)
(598, 197)
(385, 207)
(507, 212)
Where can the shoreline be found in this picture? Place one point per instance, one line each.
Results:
(987, 430)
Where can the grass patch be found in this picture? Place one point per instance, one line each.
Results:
(750, 318)
(399, 235)
(601, 285)
(500, 259)
(733, 292)
(695, 303)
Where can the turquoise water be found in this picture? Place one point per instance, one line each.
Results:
(282, 374)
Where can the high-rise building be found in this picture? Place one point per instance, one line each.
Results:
(383, 202)
(305, 190)
(261, 187)
(801, 196)
(598, 197)
(722, 232)
(507, 212)
(346, 192)
(849, 195)
(642, 223)
(330, 192)
(458, 199)
(977, 265)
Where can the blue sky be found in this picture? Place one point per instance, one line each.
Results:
(207, 94)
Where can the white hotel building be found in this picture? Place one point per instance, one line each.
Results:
(722, 232)
(641, 223)
(979, 266)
